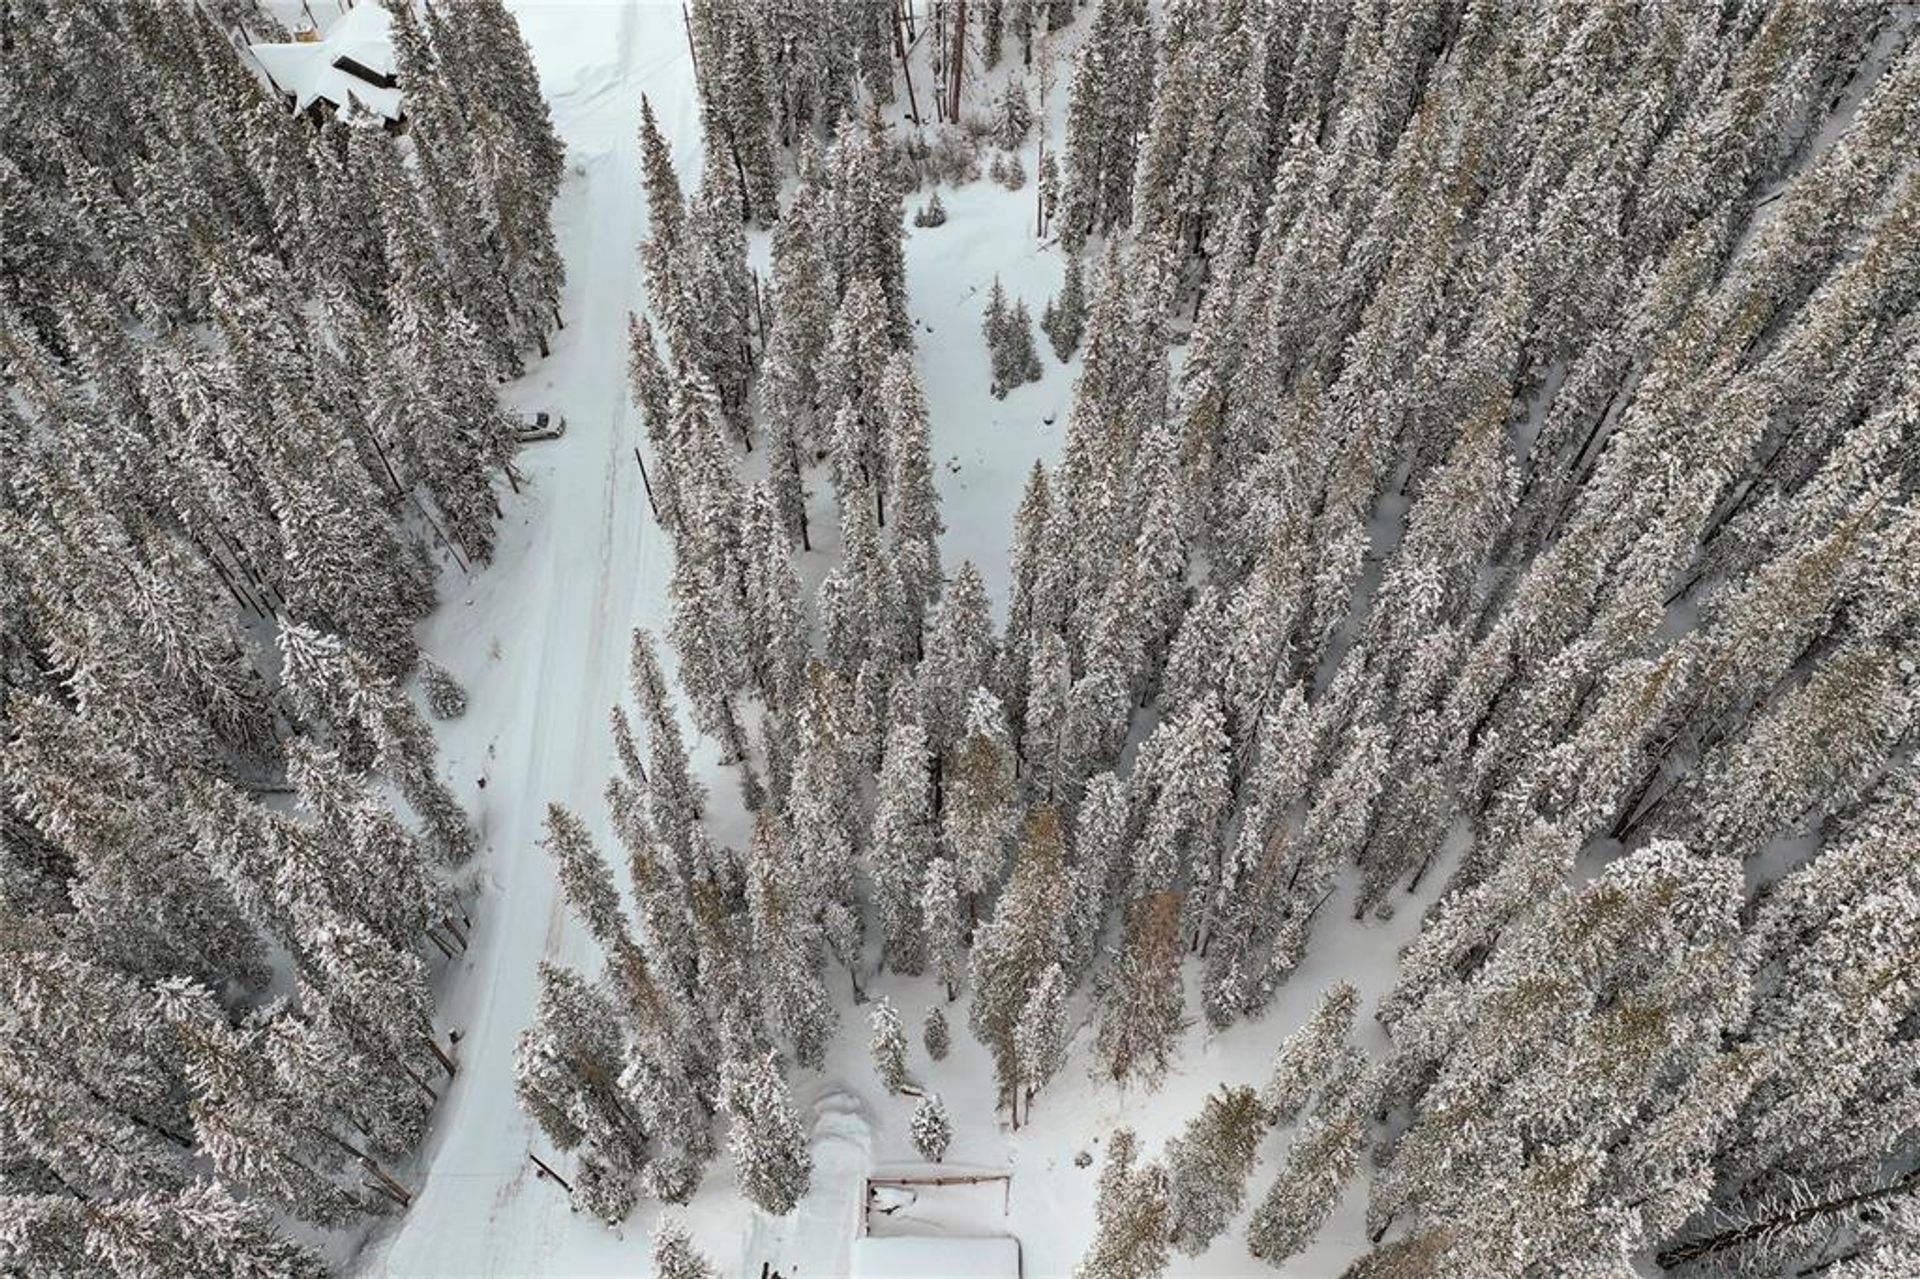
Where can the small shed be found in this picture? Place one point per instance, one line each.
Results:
(936, 1223)
(351, 66)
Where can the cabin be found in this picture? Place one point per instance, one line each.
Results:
(936, 1223)
(347, 69)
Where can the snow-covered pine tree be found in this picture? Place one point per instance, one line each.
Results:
(864, 231)
(253, 1131)
(736, 100)
(1111, 99)
(1040, 1035)
(675, 797)
(901, 845)
(1064, 317)
(1323, 1158)
(931, 214)
(942, 923)
(1142, 1010)
(566, 1075)
(934, 1034)
(770, 1155)
(888, 1045)
(1013, 950)
(674, 1256)
(1196, 661)
(783, 908)
(914, 499)
(445, 697)
(1132, 1216)
(993, 322)
(978, 818)
(1012, 115)
(202, 1230)
(1183, 766)
(958, 663)
(930, 1128)
(1309, 1053)
(587, 883)
(1102, 865)
(1017, 355)
(1208, 1165)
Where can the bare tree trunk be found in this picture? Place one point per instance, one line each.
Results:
(1694, 1249)
(906, 68)
(957, 60)
(452, 1067)
(646, 484)
(692, 52)
(546, 1169)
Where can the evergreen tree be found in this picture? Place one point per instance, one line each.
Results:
(1320, 1162)
(1142, 1010)
(1207, 1167)
(1040, 1036)
(1309, 1053)
(1064, 318)
(934, 1034)
(959, 659)
(915, 501)
(901, 846)
(942, 923)
(445, 698)
(674, 1256)
(770, 1155)
(202, 1231)
(888, 1045)
(977, 821)
(1132, 1216)
(1112, 94)
(930, 1128)
(566, 1074)
(1014, 949)
(1012, 115)
(783, 912)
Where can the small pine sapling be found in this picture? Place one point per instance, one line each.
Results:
(1023, 365)
(932, 213)
(1065, 317)
(993, 326)
(930, 1128)
(674, 1256)
(608, 1193)
(671, 1177)
(445, 698)
(1012, 115)
(934, 1034)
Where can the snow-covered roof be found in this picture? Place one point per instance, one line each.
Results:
(936, 1257)
(334, 68)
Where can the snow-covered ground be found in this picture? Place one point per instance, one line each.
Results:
(540, 639)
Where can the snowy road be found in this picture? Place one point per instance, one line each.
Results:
(540, 639)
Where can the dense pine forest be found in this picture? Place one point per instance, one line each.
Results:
(1483, 524)
(249, 412)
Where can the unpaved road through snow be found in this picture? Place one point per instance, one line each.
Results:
(540, 638)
